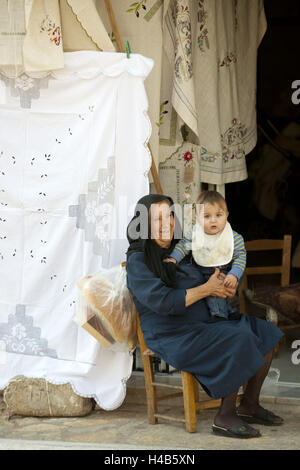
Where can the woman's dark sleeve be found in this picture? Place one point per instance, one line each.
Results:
(151, 291)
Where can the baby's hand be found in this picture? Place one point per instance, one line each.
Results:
(170, 260)
(221, 276)
(230, 281)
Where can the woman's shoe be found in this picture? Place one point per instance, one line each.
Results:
(262, 416)
(240, 431)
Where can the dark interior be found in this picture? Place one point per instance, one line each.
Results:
(278, 66)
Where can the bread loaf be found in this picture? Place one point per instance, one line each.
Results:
(110, 303)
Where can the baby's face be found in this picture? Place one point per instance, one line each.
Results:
(215, 218)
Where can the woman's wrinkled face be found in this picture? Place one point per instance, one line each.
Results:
(161, 224)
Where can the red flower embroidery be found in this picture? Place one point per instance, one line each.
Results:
(188, 156)
(53, 31)
(55, 36)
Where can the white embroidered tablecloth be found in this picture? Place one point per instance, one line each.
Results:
(73, 163)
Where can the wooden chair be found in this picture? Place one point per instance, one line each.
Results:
(189, 391)
(284, 270)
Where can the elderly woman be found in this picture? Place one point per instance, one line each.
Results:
(222, 354)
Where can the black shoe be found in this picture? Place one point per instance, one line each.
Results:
(240, 431)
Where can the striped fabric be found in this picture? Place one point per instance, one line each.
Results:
(239, 257)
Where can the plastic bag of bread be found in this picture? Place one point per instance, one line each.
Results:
(105, 308)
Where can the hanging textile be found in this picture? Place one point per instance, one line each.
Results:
(202, 91)
(35, 33)
(209, 82)
(12, 33)
(73, 163)
(82, 27)
(43, 45)
(141, 24)
(30, 36)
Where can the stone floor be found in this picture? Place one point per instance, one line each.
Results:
(127, 428)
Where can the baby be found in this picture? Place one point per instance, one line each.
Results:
(214, 245)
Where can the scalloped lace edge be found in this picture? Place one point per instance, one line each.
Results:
(116, 404)
(146, 143)
(80, 21)
(63, 73)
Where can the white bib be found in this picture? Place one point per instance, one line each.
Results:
(212, 250)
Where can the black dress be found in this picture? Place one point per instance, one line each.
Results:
(221, 355)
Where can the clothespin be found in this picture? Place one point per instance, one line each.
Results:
(127, 48)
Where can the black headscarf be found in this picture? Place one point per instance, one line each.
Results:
(140, 241)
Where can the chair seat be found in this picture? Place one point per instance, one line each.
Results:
(276, 300)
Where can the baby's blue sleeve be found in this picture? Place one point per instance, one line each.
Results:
(182, 248)
(239, 256)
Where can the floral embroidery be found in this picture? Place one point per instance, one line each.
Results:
(20, 336)
(136, 6)
(235, 7)
(112, 37)
(232, 141)
(94, 212)
(105, 187)
(91, 212)
(53, 31)
(203, 36)
(207, 155)
(189, 164)
(25, 87)
(228, 59)
(162, 113)
(183, 41)
(188, 209)
(55, 36)
(104, 221)
(188, 156)
(187, 194)
(24, 82)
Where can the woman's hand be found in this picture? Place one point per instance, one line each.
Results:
(215, 285)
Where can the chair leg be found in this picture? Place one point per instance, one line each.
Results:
(196, 389)
(189, 401)
(148, 374)
(272, 316)
(150, 389)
